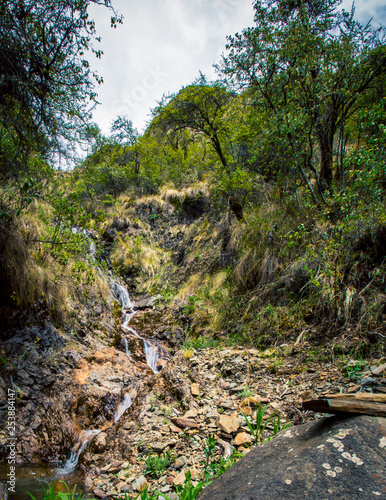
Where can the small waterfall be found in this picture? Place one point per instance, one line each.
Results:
(122, 407)
(126, 347)
(131, 330)
(92, 250)
(92, 247)
(122, 295)
(150, 349)
(151, 353)
(85, 437)
(126, 321)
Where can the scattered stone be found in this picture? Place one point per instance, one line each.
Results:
(99, 493)
(227, 404)
(367, 381)
(353, 389)
(223, 384)
(210, 415)
(242, 438)
(159, 447)
(126, 488)
(252, 401)
(179, 479)
(179, 463)
(228, 424)
(191, 413)
(228, 449)
(146, 303)
(195, 389)
(378, 370)
(175, 429)
(139, 484)
(237, 389)
(184, 422)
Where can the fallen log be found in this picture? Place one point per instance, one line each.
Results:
(364, 403)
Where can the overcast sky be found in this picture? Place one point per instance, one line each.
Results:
(163, 44)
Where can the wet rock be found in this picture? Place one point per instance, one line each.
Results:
(329, 458)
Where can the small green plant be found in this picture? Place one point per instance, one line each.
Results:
(3, 359)
(190, 306)
(247, 392)
(145, 495)
(189, 491)
(257, 428)
(51, 494)
(354, 369)
(155, 465)
(213, 465)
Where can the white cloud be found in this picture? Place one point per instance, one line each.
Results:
(162, 46)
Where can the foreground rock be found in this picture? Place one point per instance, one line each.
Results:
(329, 458)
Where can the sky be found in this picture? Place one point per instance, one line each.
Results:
(163, 45)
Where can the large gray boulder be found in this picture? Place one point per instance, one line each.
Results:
(326, 459)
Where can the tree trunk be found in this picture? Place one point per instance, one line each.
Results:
(326, 141)
(216, 144)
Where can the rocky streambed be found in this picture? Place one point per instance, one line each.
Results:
(198, 395)
(99, 409)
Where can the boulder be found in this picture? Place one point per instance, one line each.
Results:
(328, 458)
(146, 303)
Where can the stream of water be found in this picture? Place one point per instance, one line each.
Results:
(85, 438)
(35, 479)
(151, 352)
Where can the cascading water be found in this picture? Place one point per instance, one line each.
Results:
(92, 246)
(150, 349)
(92, 250)
(151, 353)
(126, 403)
(85, 437)
(122, 295)
(127, 351)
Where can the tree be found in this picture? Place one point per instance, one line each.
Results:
(123, 132)
(198, 108)
(46, 87)
(308, 63)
